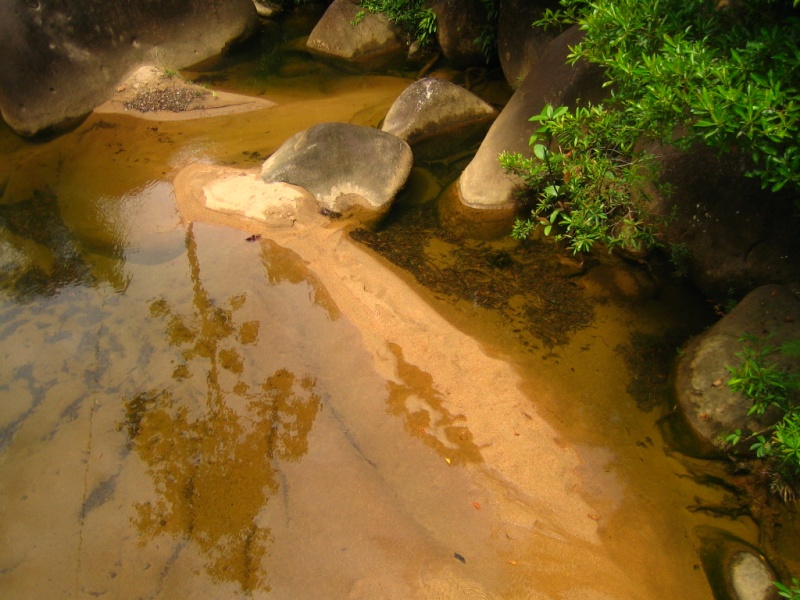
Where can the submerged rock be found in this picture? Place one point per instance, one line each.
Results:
(348, 168)
(357, 36)
(735, 569)
(438, 118)
(712, 410)
(224, 195)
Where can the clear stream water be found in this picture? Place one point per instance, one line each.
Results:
(176, 405)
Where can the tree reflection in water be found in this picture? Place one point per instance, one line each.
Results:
(214, 462)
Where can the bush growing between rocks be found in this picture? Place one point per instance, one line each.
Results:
(681, 72)
(419, 22)
(767, 384)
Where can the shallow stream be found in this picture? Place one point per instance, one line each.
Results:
(185, 414)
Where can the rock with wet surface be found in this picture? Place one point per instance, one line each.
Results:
(519, 45)
(735, 569)
(458, 24)
(357, 36)
(61, 60)
(485, 189)
(438, 118)
(350, 169)
(737, 235)
(712, 409)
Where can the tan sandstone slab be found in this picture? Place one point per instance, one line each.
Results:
(205, 103)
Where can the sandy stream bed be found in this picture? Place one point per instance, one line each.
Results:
(532, 529)
(429, 471)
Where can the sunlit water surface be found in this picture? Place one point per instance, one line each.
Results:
(183, 413)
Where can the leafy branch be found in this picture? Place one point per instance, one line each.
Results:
(680, 72)
(759, 378)
(410, 15)
(590, 183)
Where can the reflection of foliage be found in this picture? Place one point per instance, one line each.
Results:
(212, 472)
(283, 265)
(425, 416)
(209, 325)
(213, 463)
(50, 255)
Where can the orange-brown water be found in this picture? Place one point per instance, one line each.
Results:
(184, 414)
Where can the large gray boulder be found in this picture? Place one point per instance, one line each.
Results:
(351, 34)
(519, 44)
(485, 190)
(459, 23)
(736, 235)
(438, 118)
(711, 409)
(347, 168)
(61, 58)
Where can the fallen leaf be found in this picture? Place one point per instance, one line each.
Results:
(476, 506)
(512, 562)
(717, 382)
(447, 460)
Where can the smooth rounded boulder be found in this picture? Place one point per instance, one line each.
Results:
(734, 234)
(519, 45)
(485, 190)
(438, 118)
(62, 58)
(460, 25)
(711, 409)
(351, 34)
(736, 570)
(350, 169)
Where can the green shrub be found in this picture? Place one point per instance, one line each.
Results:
(766, 384)
(792, 593)
(411, 15)
(680, 71)
(487, 40)
(585, 178)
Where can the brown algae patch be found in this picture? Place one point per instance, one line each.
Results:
(215, 472)
(524, 283)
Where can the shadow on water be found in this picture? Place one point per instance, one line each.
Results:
(41, 255)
